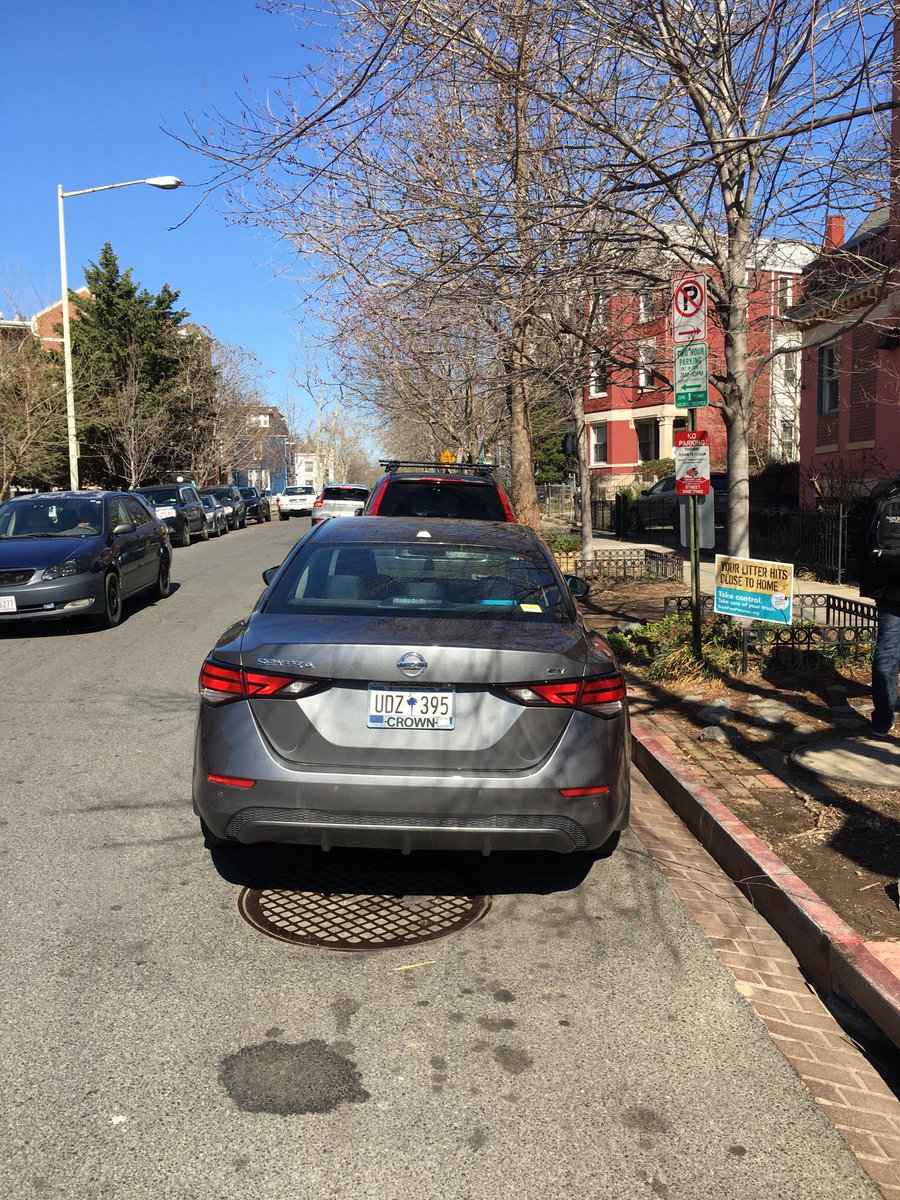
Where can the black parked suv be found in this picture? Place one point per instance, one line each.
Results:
(179, 506)
(257, 504)
(657, 507)
(432, 489)
(233, 501)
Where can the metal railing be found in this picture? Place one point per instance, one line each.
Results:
(813, 540)
(622, 564)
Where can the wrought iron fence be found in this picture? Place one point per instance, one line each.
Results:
(622, 564)
(813, 540)
(817, 629)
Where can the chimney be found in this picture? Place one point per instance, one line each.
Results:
(834, 233)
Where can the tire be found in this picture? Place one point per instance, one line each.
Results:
(112, 611)
(204, 531)
(268, 516)
(243, 524)
(284, 516)
(185, 539)
(633, 523)
(163, 585)
(676, 521)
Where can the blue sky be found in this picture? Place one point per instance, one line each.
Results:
(88, 87)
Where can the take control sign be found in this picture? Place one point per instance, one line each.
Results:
(692, 462)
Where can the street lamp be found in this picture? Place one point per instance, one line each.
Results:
(166, 182)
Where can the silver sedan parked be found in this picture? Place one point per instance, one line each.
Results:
(414, 684)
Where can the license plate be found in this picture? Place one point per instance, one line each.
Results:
(7, 604)
(411, 708)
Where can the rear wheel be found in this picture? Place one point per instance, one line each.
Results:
(163, 585)
(112, 602)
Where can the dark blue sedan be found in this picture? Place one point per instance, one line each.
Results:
(79, 554)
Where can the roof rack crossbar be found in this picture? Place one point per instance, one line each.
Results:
(391, 465)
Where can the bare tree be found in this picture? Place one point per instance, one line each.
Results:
(32, 414)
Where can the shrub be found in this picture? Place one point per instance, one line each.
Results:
(563, 541)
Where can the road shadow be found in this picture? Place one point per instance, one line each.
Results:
(388, 872)
(53, 627)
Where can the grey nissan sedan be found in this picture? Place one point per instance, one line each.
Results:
(414, 684)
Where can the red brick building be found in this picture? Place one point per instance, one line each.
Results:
(850, 314)
(628, 397)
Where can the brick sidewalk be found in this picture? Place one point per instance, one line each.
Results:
(848, 1089)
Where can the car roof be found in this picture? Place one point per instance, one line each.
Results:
(84, 494)
(498, 534)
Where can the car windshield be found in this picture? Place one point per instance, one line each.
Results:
(161, 495)
(248, 493)
(442, 580)
(51, 516)
(223, 494)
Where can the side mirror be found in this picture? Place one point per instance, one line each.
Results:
(578, 587)
(269, 574)
(123, 527)
(645, 491)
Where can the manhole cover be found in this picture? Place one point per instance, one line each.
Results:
(863, 760)
(353, 909)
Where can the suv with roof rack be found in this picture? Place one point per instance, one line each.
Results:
(466, 491)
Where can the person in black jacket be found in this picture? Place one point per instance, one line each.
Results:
(883, 585)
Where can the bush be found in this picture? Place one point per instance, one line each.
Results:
(663, 648)
(563, 541)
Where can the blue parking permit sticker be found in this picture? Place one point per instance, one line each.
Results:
(500, 603)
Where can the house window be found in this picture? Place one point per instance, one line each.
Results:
(598, 443)
(785, 294)
(646, 306)
(829, 378)
(601, 306)
(599, 373)
(260, 419)
(645, 364)
(790, 362)
(787, 449)
(648, 439)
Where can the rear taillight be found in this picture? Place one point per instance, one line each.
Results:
(317, 503)
(221, 682)
(601, 695)
(507, 507)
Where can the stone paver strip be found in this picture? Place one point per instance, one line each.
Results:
(857, 1101)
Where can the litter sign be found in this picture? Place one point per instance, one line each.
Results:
(754, 588)
(689, 309)
(692, 462)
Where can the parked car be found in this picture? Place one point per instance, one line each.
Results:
(295, 501)
(179, 506)
(232, 501)
(339, 500)
(216, 520)
(414, 683)
(80, 554)
(428, 489)
(657, 507)
(256, 504)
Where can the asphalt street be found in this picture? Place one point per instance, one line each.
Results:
(580, 1041)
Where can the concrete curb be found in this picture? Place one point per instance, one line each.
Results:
(834, 955)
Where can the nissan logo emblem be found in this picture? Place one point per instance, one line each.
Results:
(412, 664)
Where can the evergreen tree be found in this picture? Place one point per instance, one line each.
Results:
(128, 363)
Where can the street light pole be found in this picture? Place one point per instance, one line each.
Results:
(166, 182)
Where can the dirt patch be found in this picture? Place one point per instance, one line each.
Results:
(841, 838)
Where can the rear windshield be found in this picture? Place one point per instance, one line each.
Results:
(468, 500)
(360, 495)
(162, 495)
(411, 578)
(299, 491)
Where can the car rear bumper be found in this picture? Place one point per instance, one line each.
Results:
(369, 808)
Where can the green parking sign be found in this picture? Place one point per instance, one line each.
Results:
(691, 376)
